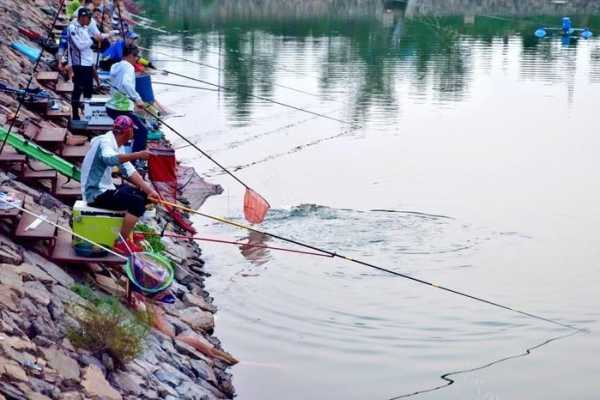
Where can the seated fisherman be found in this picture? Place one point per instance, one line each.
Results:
(97, 185)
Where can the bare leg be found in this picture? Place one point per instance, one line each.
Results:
(128, 224)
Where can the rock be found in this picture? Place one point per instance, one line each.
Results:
(67, 296)
(108, 362)
(70, 396)
(96, 386)
(37, 396)
(8, 298)
(12, 392)
(12, 370)
(167, 378)
(66, 367)
(35, 272)
(18, 343)
(38, 292)
(189, 390)
(198, 319)
(203, 371)
(193, 300)
(9, 276)
(128, 382)
(45, 327)
(86, 360)
(187, 350)
(183, 276)
(50, 268)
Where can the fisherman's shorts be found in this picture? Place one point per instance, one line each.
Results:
(124, 198)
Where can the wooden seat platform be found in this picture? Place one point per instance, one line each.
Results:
(47, 76)
(58, 113)
(44, 231)
(63, 252)
(72, 152)
(9, 154)
(64, 87)
(67, 189)
(37, 170)
(49, 135)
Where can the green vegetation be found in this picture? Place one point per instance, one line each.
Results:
(106, 326)
(154, 242)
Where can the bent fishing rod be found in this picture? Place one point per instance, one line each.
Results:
(266, 99)
(184, 59)
(35, 67)
(373, 266)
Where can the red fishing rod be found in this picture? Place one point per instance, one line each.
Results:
(258, 246)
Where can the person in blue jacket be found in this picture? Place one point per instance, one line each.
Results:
(114, 53)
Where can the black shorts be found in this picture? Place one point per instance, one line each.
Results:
(124, 198)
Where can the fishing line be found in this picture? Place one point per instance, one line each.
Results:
(223, 70)
(184, 86)
(258, 97)
(35, 67)
(450, 381)
(373, 266)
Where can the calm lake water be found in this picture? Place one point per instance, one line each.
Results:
(469, 158)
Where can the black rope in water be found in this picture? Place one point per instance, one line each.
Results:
(35, 67)
(450, 381)
(260, 98)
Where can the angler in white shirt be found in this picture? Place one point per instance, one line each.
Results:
(82, 58)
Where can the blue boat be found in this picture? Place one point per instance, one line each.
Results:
(566, 30)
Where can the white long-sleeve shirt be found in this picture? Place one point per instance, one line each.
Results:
(80, 45)
(122, 82)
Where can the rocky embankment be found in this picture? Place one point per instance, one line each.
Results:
(180, 359)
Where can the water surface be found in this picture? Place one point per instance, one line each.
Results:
(469, 158)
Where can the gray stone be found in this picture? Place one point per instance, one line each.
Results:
(189, 390)
(183, 276)
(50, 268)
(177, 324)
(61, 363)
(168, 378)
(35, 272)
(68, 296)
(96, 386)
(10, 277)
(203, 371)
(87, 360)
(198, 301)
(38, 292)
(197, 318)
(130, 383)
(108, 362)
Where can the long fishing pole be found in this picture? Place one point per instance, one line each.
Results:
(372, 266)
(237, 243)
(35, 67)
(259, 97)
(205, 154)
(185, 86)
(221, 70)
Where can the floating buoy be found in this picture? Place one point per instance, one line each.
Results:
(586, 34)
(540, 33)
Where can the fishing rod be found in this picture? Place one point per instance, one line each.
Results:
(372, 266)
(35, 67)
(237, 243)
(223, 70)
(185, 86)
(258, 97)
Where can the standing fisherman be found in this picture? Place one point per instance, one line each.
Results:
(124, 97)
(81, 58)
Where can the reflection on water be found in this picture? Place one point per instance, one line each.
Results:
(472, 144)
(362, 47)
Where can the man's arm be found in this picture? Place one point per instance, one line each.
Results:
(138, 181)
(138, 155)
